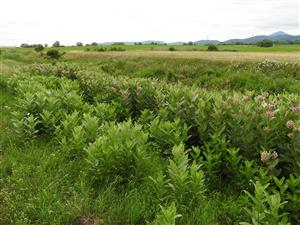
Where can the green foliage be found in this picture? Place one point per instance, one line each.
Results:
(167, 216)
(56, 44)
(235, 141)
(54, 54)
(265, 43)
(39, 48)
(167, 134)
(106, 112)
(91, 126)
(119, 154)
(212, 48)
(265, 208)
(183, 183)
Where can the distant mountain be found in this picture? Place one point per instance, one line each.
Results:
(134, 42)
(277, 36)
(153, 42)
(176, 43)
(279, 33)
(206, 42)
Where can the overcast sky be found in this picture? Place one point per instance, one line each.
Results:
(69, 21)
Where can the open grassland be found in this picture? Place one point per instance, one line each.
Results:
(230, 48)
(149, 137)
(224, 56)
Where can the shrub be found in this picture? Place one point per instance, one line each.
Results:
(118, 43)
(265, 43)
(56, 44)
(172, 49)
(212, 48)
(120, 155)
(183, 182)
(101, 49)
(60, 69)
(54, 54)
(24, 45)
(117, 49)
(265, 208)
(39, 48)
(166, 134)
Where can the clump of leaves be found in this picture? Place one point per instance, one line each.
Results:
(183, 183)
(167, 215)
(166, 134)
(119, 154)
(265, 208)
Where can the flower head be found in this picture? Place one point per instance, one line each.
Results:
(274, 155)
(265, 156)
(290, 135)
(290, 124)
(296, 109)
(271, 107)
(261, 98)
(245, 98)
(270, 114)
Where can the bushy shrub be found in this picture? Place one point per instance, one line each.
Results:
(166, 134)
(172, 49)
(54, 54)
(119, 154)
(39, 48)
(59, 69)
(248, 121)
(117, 49)
(47, 99)
(265, 208)
(56, 44)
(183, 182)
(212, 48)
(265, 43)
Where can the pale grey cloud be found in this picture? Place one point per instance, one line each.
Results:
(40, 21)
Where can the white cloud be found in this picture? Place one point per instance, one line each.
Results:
(44, 21)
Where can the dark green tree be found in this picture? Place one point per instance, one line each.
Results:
(56, 44)
(265, 43)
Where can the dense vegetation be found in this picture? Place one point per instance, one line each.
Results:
(145, 141)
(277, 47)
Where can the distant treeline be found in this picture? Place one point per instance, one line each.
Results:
(57, 43)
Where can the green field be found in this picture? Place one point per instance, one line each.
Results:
(150, 136)
(230, 48)
(239, 48)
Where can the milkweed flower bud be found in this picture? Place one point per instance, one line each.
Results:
(261, 98)
(274, 155)
(245, 98)
(296, 109)
(290, 135)
(238, 102)
(290, 124)
(265, 156)
(270, 114)
(272, 107)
